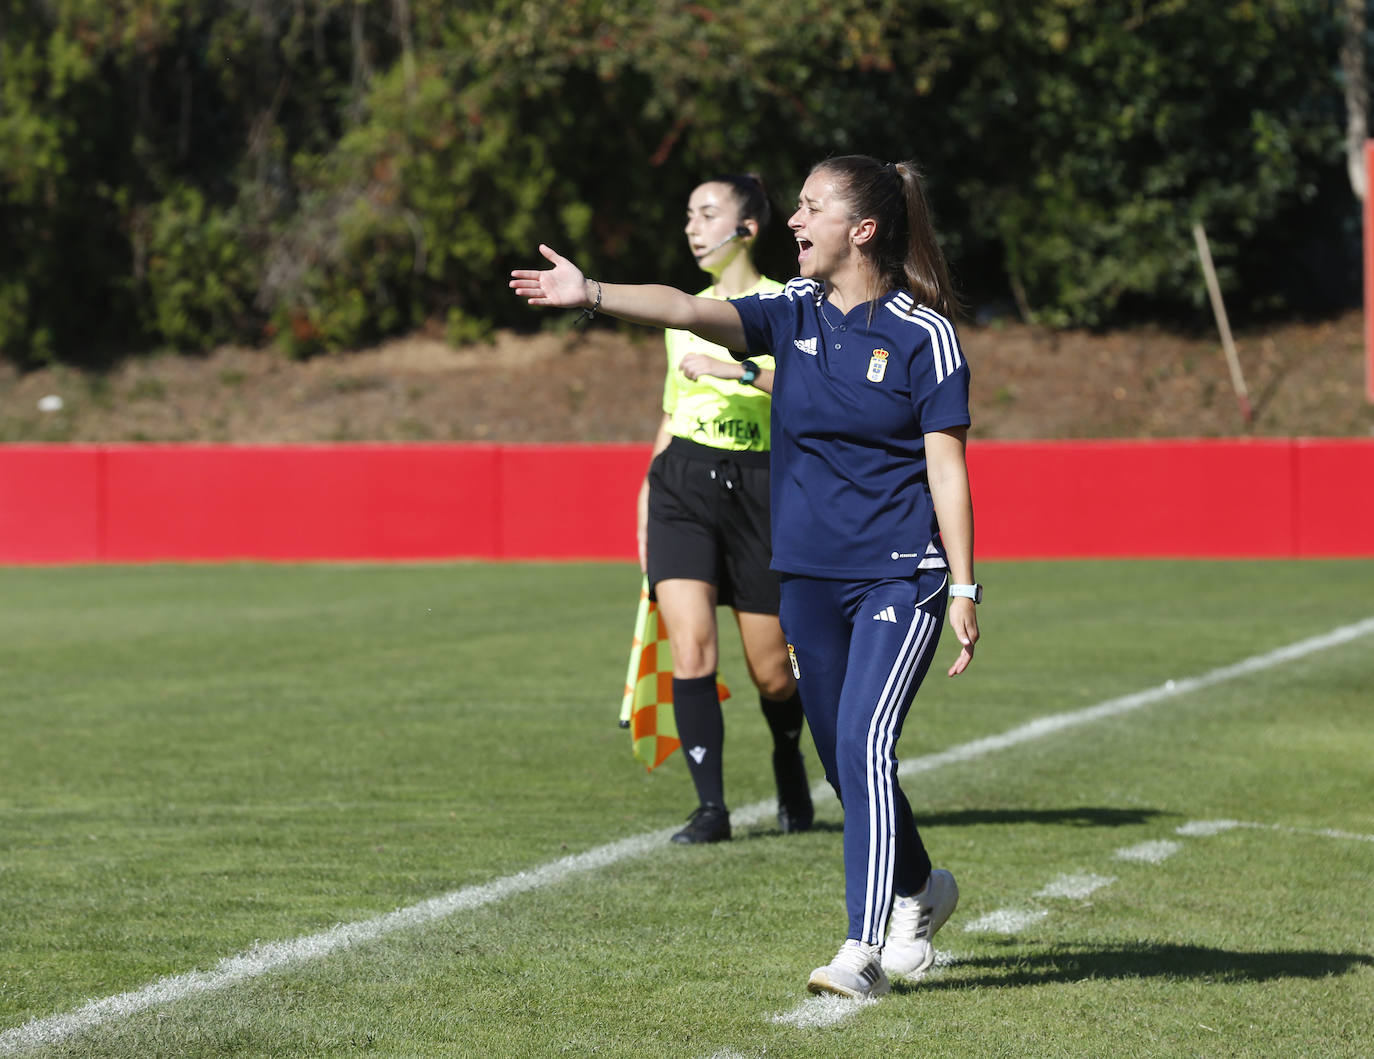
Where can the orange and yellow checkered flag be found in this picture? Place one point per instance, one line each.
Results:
(647, 708)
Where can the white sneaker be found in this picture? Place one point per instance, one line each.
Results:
(854, 972)
(910, 948)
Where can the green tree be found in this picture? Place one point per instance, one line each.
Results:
(1120, 124)
(187, 172)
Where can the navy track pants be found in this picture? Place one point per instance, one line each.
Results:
(860, 650)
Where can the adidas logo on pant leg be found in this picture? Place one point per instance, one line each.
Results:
(886, 614)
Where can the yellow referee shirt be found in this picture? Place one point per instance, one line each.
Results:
(719, 413)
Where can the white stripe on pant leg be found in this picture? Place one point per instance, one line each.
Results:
(878, 895)
(877, 872)
(927, 632)
(920, 659)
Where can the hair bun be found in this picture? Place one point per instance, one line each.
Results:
(750, 193)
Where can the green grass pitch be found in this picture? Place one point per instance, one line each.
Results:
(198, 760)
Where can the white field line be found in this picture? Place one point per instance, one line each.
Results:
(1075, 887)
(1057, 722)
(1006, 921)
(1203, 828)
(263, 959)
(1153, 852)
(1015, 920)
(818, 1012)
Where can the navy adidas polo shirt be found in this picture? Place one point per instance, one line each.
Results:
(853, 398)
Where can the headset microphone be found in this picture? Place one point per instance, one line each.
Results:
(742, 232)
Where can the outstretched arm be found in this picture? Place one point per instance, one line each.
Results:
(565, 287)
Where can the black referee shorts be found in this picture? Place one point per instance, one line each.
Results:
(708, 521)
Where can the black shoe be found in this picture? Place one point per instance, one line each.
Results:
(708, 823)
(795, 811)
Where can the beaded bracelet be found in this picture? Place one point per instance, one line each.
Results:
(587, 314)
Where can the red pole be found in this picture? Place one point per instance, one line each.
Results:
(1369, 271)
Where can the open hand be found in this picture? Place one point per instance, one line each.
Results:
(560, 287)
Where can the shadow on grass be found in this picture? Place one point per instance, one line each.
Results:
(1102, 962)
(1080, 816)
(1077, 816)
(751, 834)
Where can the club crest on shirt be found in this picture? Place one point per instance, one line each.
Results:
(877, 365)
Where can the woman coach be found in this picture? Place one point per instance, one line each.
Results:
(872, 513)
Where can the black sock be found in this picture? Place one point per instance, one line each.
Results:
(701, 727)
(785, 720)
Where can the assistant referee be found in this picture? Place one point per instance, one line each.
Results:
(704, 531)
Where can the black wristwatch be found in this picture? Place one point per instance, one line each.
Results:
(751, 372)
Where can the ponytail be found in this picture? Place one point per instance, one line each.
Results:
(925, 268)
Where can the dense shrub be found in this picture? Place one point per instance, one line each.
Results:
(328, 172)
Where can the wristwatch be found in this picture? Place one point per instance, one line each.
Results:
(751, 372)
(973, 592)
